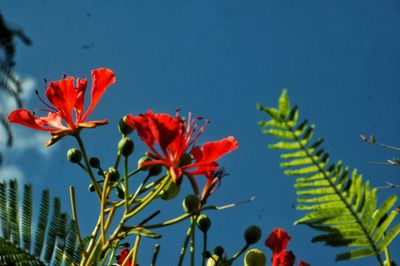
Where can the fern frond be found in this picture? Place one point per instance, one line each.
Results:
(338, 203)
(42, 222)
(55, 242)
(27, 217)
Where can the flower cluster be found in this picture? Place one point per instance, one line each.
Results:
(172, 143)
(277, 241)
(177, 150)
(67, 99)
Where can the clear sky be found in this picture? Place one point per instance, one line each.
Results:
(339, 60)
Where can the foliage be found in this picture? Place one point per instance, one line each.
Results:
(339, 203)
(9, 83)
(53, 240)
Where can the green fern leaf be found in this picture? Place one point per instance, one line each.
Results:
(42, 222)
(337, 202)
(26, 220)
(16, 222)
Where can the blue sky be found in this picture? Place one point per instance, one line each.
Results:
(339, 61)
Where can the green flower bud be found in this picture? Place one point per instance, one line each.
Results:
(74, 155)
(91, 188)
(252, 234)
(114, 174)
(186, 159)
(170, 191)
(254, 257)
(203, 223)
(94, 162)
(219, 251)
(123, 127)
(126, 146)
(120, 193)
(155, 170)
(142, 160)
(191, 203)
(212, 261)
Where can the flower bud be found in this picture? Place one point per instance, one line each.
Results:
(142, 160)
(74, 155)
(126, 146)
(203, 223)
(212, 261)
(191, 203)
(123, 127)
(252, 234)
(120, 193)
(113, 173)
(186, 159)
(219, 251)
(91, 188)
(94, 162)
(170, 191)
(155, 170)
(254, 257)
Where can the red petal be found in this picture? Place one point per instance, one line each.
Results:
(62, 94)
(166, 129)
(155, 128)
(101, 79)
(212, 151)
(81, 85)
(26, 118)
(277, 240)
(283, 258)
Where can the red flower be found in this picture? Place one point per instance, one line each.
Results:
(176, 137)
(213, 181)
(278, 240)
(283, 258)
(65, 115)
(122, 256)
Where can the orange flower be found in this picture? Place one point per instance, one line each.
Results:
(67, 99)
(177, 150)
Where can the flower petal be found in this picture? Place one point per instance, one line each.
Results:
(212, 151)
(62, 94)
(101, 79)
(26, 118)
(277, 240)
(155, 128)
(81, 85)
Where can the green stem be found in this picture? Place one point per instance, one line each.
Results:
(111, 259)
(149, 198)
(186, 242)
(155, 254)
(116, 164)
(387, 255)
(126, 192)
(134, 172)
(135, 249)
(89, 169)
(192, 243)
(203, 261)
(237, 255)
